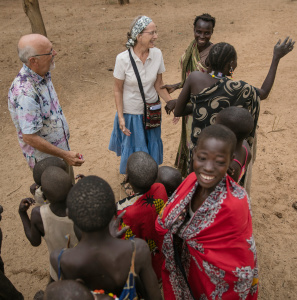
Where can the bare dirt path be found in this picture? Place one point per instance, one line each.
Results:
(87, 38)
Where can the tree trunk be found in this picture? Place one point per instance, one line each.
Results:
(32, 10)
(123, 2)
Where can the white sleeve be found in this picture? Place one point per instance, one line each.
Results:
(162, 66)
(119, 68)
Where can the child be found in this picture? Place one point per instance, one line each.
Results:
(35, 188)
(70, 289)
(7, 289)
(209, 248)
(241, 122)
(170, 177)
(143, 207)
(100, 260)
(50, 221)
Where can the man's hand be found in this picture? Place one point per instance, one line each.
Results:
(114, 225)
(73, 158)
(25, 204)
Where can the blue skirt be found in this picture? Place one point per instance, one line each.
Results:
(148, 141)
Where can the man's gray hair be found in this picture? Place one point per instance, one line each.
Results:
(25, 53)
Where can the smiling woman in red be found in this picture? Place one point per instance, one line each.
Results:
(208, 242)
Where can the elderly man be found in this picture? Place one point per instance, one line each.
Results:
(34, 106)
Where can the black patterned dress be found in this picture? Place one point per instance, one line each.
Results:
(226, 92)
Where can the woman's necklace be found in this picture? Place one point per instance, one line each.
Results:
(217, 75)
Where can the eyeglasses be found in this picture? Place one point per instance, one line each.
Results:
(151, 32)
(50, 53)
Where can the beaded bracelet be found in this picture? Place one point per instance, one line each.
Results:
(101, 292)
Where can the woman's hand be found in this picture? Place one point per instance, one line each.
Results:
(170, 87)
(170, 106)
(282, 49)
(123, 128)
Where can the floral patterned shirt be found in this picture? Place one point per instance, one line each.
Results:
(35, 109)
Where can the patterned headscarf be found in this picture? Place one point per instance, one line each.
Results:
(137, 28)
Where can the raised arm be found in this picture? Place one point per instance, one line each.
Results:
(280, 50)
(143, 267)
(37, 142)
(171, 87)
(183, 107)
(118, 94)
(33, 228)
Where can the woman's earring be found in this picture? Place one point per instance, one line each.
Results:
(231, 71)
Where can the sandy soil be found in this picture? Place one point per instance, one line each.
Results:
(87, 38)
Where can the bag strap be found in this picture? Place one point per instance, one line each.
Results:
(178, 261)
(139, 83)
(137, 76)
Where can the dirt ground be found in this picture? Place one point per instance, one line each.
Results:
(87, 38)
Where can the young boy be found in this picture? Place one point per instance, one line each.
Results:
(71, 290)
(241, 122)
(35, 188)
(50, 221)
(170, 177)
(67, 289)
(143, 207)
(100, 260)
(7, 289)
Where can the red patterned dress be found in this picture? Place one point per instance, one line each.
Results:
(218, 250)
(142, 211)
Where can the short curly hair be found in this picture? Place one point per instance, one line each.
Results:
(91, 204)
(238, 119)
(67, 289)
(142, 170)
(170, 177)
(56, 184)
(205, 18)
(219, 132)
(43, 164)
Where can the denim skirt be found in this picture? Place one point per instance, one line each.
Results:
(148, 141)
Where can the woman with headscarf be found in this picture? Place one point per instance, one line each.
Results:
(194, 59)
(129, 133)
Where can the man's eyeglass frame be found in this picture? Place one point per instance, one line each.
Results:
(50, 53)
